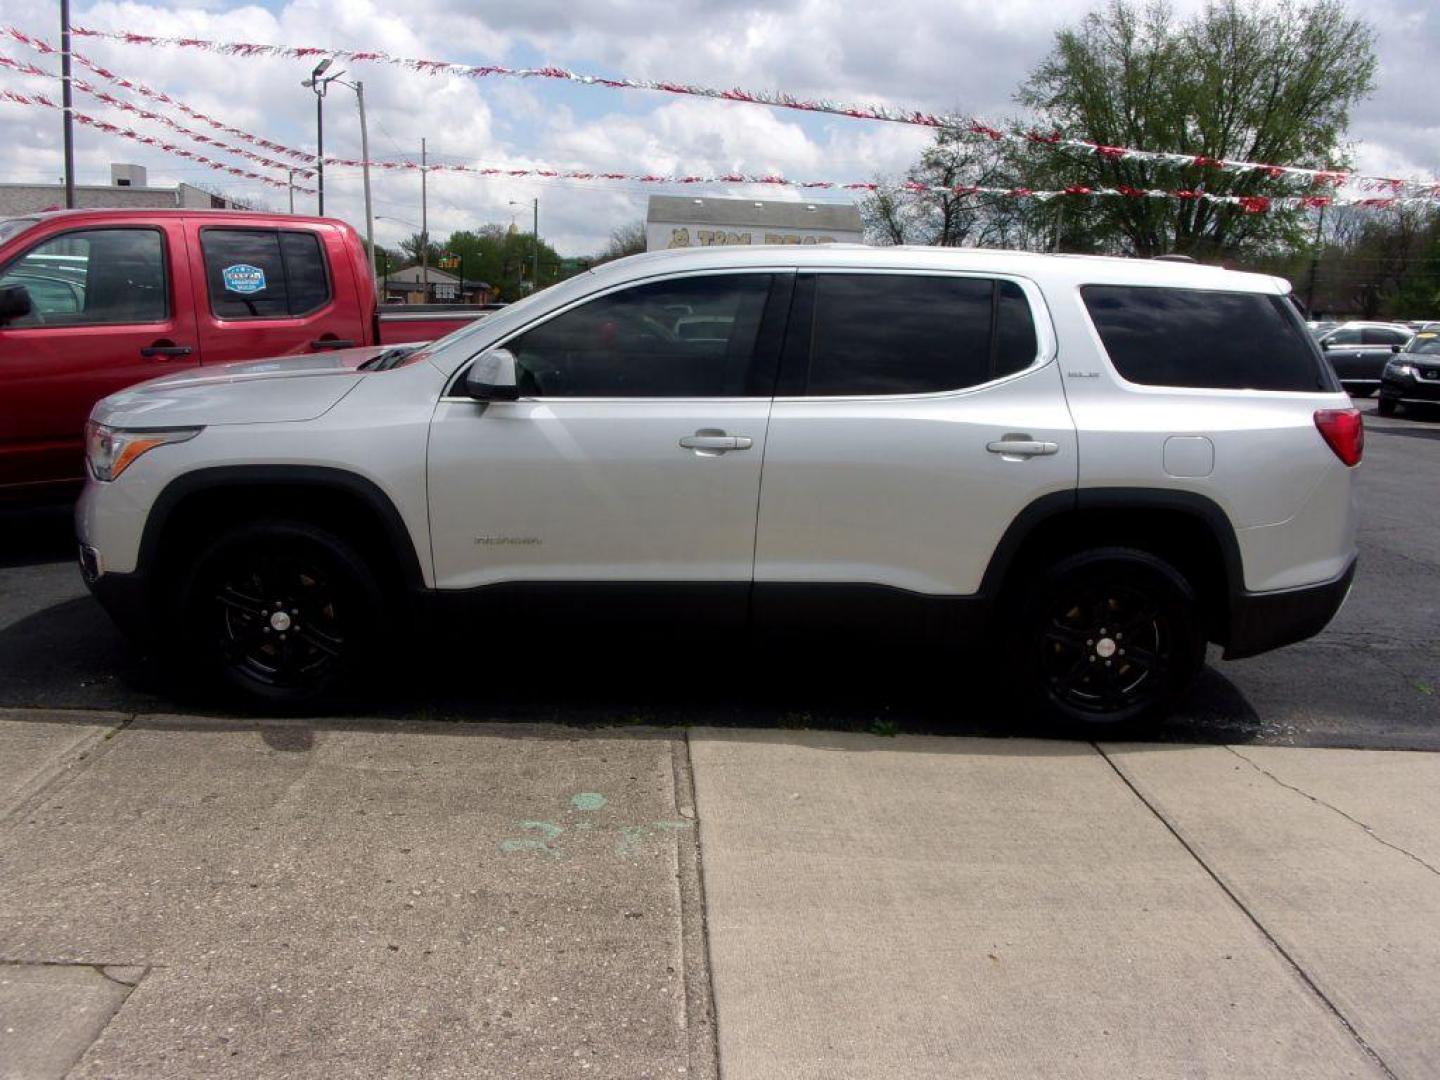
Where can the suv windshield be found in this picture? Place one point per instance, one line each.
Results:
(14, 226)
(1425, 342)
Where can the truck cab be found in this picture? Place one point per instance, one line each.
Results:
(93, 301)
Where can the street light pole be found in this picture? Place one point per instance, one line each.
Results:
(66, 100)
(365, 156)
(318, 84)
(535, 239)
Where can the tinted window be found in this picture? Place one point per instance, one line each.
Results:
(1198, 338)
(1015, 344)
(263, 274)
(913, 334)
(687, 337)
(92, 277)
(1349, 336)
(1376, 335)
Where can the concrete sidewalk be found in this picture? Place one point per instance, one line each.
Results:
(183, 897)
(192, 898)
(932, 907)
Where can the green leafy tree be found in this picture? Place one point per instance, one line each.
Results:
(1268, 83)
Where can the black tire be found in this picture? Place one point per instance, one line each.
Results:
(1386, 405)
(1107, 637)
(1361, 391)
(315, 646)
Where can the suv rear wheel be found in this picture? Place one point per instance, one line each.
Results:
(284, 612)
(1108, 636)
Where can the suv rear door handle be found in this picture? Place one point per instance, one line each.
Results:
(1022, 447)
(332, 343)
(713, 441)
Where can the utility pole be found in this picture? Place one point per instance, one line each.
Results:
(424, 228)
(535, 239)
(66, 100)
(365, 156)
(1314, 263)
(290, 182)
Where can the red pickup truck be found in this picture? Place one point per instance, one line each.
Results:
(92, 301)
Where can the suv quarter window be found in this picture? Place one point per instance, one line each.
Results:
(877, 334)
(699, 336)
(264, 273)
(94, 277)
(1202, 338)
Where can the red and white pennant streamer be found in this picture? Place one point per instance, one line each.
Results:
(148, 140)
(1249, 204)
(42, 46)
(1333, 177)
(125, 106)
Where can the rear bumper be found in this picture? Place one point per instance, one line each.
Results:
(1263, 621)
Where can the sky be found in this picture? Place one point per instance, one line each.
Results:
(965, 56)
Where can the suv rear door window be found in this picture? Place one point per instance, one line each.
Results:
(1204, 338)
(876, 334)
(264, 273)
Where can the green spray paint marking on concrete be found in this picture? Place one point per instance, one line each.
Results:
(589, 800)
(551, 831)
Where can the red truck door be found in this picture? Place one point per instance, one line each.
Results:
(273, 291)
(111, 306)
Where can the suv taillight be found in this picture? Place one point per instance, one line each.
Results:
(1344, 431)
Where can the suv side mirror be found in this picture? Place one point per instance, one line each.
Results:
(14, 303)
(492, 377)
(1394, 348)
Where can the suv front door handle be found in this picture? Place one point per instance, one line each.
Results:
(332, 343)
(1022, 447)
(712, 441)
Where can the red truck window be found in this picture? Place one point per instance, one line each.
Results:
(93, 277)
(264, 273)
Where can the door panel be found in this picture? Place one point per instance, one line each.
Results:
(103, 323)
(588, 491)
(904, 492)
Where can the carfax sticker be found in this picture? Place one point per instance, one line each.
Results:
(243, 278)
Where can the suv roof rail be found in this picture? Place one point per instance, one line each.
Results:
(1174, 257)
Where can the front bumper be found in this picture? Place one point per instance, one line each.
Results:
(125, 598)
(1409, 389)
(1263, 621)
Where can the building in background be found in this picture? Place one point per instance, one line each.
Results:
(128, 190)
(673, 221)
(407, 287)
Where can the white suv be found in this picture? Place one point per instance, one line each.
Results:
(1096, 465)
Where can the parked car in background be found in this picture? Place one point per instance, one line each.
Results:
(92, 301)
(1082, 469)
(1412, 376)
(1358, 351)
(1319, 328)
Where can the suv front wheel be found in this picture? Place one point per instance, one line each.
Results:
(1108, 636)
(285, 612)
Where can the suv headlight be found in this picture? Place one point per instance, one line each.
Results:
(1401, 367)
(110, 451)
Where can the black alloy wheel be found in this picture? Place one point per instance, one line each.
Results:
(1110, 636)
(284, 612)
